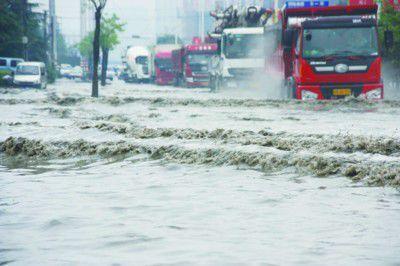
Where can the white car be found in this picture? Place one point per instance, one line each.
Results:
(65, 70)
(31, 74)
(76, 73)
(110, 74)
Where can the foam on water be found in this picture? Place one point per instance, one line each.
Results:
(151, 176)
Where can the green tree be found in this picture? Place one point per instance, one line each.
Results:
(66, 54)
(17, 19)
(110, 27)
(85, 48)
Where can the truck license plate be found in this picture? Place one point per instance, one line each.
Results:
(341, 92)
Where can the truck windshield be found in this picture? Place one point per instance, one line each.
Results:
(27, 70)
(340, 42)
(244, 46)
(163, 63)
(141, 60)
(199, 59)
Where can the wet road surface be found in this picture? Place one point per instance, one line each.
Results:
(162, 176)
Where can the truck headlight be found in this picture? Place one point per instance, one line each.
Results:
(374, 94)
(308, 95)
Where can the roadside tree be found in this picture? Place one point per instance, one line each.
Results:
(99, 6)
(110, 27)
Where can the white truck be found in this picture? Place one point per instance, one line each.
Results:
(241, 55)
(138, 61)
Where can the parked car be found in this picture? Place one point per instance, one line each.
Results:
(65, 70)
(76, 73)
(110, 74)
(31, 74)
(9, 63)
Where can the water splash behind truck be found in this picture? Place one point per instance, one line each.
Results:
(241, 46)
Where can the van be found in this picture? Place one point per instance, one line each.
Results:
(31, 74)
(9, 63)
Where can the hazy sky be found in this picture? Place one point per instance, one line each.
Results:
(139, 16)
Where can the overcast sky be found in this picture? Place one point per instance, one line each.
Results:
(139, 16)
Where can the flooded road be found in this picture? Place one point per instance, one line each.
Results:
(162, 176)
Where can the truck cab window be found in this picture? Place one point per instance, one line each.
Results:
(14, 63)
(340, 42)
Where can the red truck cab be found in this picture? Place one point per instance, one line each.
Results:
(164, 68)
(331, 52)
(191, 64)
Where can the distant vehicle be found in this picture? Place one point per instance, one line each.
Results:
(161, 54)
(110, 74)
(164, 68)
(241, 41)
(138, 64)
(76, 73)
(9, 63)
(31, 74)
(191, 64)
(65, 70)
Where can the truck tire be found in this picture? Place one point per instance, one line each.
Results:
(289, 90)
(212, 84)
(220, 84)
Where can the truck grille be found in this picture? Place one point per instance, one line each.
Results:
(199, 68)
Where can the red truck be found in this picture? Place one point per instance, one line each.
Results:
(327, 52)
(191, 64)
(163, 68)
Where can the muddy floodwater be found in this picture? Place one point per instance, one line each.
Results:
(149, 175)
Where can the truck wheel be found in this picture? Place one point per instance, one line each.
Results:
(212, 84)
(289, 90)
(182, 82)
(219, 84)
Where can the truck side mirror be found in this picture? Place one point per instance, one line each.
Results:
(389, 39)
(288, 39)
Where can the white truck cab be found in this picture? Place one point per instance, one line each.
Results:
(138, 62)
(241, 57)
(31, 74)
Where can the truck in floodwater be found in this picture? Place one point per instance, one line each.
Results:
(241, 47)
(328, 52)
(161, 63)
(138, 64)
(191, 63)
(164, 68)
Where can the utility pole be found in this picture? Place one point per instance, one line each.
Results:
(53, 31)
(45, 34)
(202, 20)
(25, 29)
